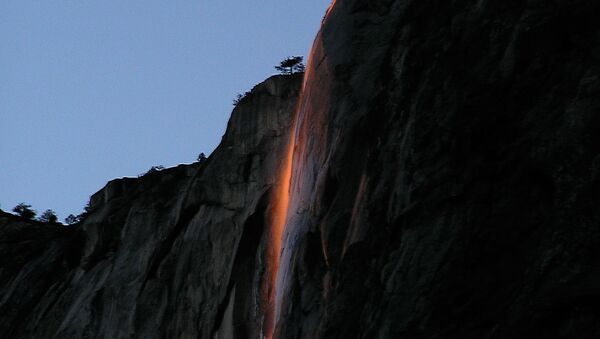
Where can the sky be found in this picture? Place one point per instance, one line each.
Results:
(92, 90)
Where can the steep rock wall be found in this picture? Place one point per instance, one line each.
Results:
(161, 255)
(446, 177)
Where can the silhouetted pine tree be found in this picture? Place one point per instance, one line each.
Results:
(291, 65)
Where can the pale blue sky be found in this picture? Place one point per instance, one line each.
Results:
(92, 90)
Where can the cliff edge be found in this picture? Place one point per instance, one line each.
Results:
(159, 255)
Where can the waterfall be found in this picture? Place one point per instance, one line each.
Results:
(296, 179)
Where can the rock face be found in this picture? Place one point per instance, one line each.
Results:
(160, 256)
(446, 174)
(444, 183)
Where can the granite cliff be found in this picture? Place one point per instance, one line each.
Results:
(161, 255)
(436, 174)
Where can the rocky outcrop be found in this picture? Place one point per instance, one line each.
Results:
(446, 174)
(438, 178)
(161, 255)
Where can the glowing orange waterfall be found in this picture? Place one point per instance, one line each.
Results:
(292, 162)
(277, 217)
(330, 7)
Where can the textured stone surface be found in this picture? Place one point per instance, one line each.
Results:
(160, 255)
(453, 189)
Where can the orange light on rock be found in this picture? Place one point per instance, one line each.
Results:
(280, 198)
(277, 217)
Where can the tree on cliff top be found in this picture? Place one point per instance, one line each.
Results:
(71, 219)
(239, 98)
(24, 210)
(49, 216)
(291, 65)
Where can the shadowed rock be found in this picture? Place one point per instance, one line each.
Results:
(160, 255)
